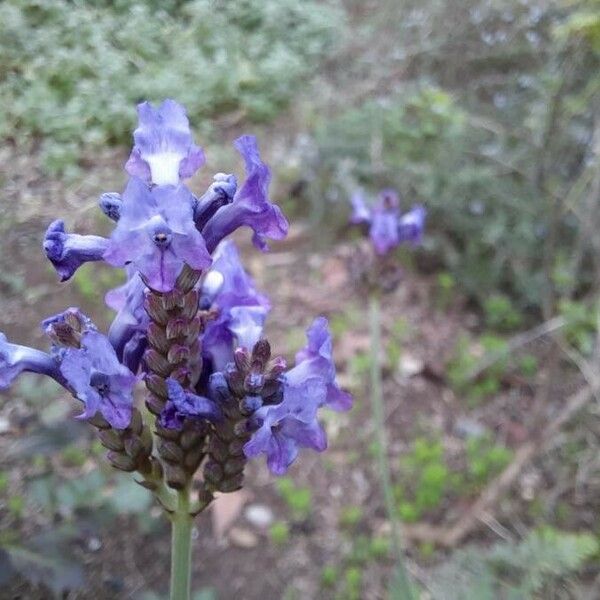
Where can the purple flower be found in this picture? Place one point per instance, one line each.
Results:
(387, 226)
(68, 251)
(288, 426)
(246, 324)
(316, 361)
(384, 222)
(412, 225)
(250, 205)
(242, 309)
(156, 234)
(221, 192)
(182, 404)
(164, 152)
(99, 380)
(127, 331)
(110, 204)
(15, 359)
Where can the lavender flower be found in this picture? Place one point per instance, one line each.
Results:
(127, 331)
(15, 359)
(68, 251)
(388, 228)
(242, 309)
(250, 205)
(164, 152)
(99, 380)
(184, 404)
(316, 360)
(292, 424)
(285, 428)
(156, 234)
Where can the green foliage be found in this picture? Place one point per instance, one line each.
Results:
(500, 313)
(329, 576)
(466, 359)
(3, 482)
(485, 460)
(525, 570)
(298, 499)
(279, 532)
(16, 506)
(425, 481)
(500, 163)
(445, 290)
(350, 516)
(353, 583)
(528, 365)
(71, 72)
(74, 456)
(45, 560)
(425, 478)
(580, 330)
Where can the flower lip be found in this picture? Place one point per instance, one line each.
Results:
(100, 382)
(164, 152)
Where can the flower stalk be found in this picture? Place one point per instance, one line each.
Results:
(400, 588)
(181, 547)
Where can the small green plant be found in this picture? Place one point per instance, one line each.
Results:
(580, 330)
(525, 569)
(425, 479)
(3, 482)
(467, 357)
(16, 506)
(528, 365)
(485, 459)
(297, 499)
(279, 532)
(350, 516)
(329, 576)
(353, 583)
(501, 314)
(379, 547)
(446, 288)
(74, 456)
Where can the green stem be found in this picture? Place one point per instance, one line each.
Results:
(401, 588)
(181, 548)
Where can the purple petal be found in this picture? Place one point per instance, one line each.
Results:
(164, 151)
(156, 234)
(185, 404)
(221, 192)
(360, 211)
(384, 230)
(316, 361)
(99, 380)
(281, 453)
(15, 359)
(306, 435)
(251, 206)
(412, 225)
(246, 324)
(68, 251)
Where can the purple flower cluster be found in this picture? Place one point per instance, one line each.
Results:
(161, 227)
(292, 424)
(388, 227)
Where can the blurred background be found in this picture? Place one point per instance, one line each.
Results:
(485, 111)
